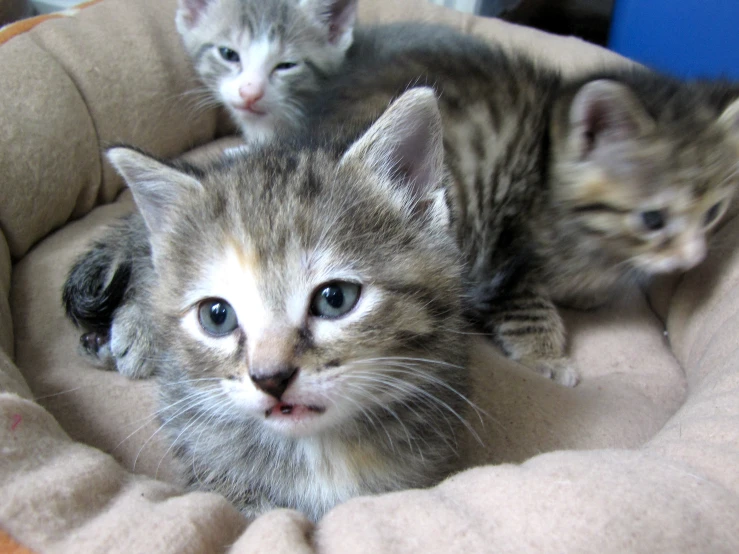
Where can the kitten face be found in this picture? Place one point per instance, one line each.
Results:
(303, 293)
(309, 316)
(648, 194)
(259, 58)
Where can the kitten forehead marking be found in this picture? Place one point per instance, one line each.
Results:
(233, 275)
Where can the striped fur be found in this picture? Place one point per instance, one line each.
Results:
(551, 178)
(550, 187)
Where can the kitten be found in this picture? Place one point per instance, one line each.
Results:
(306, 309)
(262, 59)
(562, 190)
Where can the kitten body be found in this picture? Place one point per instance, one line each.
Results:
(304, 308)
(263, 59)
(562, 189)
(555, 189)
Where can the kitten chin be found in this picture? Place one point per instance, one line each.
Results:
(263, 60)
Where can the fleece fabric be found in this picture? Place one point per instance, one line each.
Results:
(642, 456)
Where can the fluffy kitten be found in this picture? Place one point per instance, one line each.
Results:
(262, 59)
(305, 312)
(562, 190)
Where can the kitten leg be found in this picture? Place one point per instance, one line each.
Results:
(127, 347)
(131, 343)
(106, 292)
(526, 325)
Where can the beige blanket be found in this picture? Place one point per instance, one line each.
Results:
(643, 456)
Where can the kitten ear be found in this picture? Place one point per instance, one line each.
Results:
(157, 188)
(604, 112)
(729, 119)
(338, 16)
(404, 148)
(189, 11)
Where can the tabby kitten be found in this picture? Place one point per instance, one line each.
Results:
(562, 190)
(305, 305)
(262, 59)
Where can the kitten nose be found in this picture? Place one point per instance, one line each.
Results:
(251, 93)
(274, 383)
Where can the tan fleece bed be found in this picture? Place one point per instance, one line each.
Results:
(643, 456)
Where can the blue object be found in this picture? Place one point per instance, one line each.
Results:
(687, 38)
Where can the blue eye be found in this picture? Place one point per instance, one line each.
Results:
(335, 299)
(217, 317)
(285, 66)
(228, 54)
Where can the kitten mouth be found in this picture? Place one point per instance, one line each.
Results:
(249, 110)
(292, 410)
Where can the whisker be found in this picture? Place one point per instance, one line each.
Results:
(398, 385)
(416, 372)
(185, 428)
(401, 368)
(158, 412)
(199, 403)
(391, 442)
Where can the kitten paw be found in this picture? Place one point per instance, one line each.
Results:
(130, 342)
(559, 370)
(96, 348)
(92, 343)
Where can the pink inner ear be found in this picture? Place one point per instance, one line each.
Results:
(605, 115)
(192, 10)
(340, 15)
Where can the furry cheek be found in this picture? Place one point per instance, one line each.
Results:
(228, 89)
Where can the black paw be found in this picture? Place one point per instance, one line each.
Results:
(92, 342)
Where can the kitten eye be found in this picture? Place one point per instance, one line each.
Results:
(654, 220)
(285, 66)
(712, 214)
(217, 317)
(228, 54)
(335, 299)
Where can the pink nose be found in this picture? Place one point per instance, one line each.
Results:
(251, 93)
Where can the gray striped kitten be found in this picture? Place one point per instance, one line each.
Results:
(562, 190)
(305, 313)
(551, 190)
(262, 59)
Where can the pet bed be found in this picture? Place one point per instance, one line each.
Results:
(642, 456)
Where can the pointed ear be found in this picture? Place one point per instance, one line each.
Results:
(189, 12)
(338, 16)
(729, 119)
(404, 147)
(604, 112)
(157, 188)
